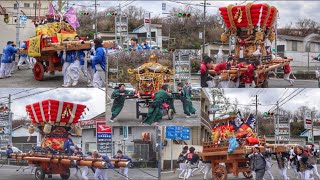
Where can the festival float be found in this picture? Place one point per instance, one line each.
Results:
(232, 139)
(55, 119)
(250, 26)
(48, 42)
(148, 79)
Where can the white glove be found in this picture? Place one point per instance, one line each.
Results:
(91, 58)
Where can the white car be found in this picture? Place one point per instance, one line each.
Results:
(3, 150)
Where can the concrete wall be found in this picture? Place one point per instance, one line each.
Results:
(23, 132)
(8, 32)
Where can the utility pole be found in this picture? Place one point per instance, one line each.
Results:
(312, 117)
(277, 125)
(257, 115)
(96, 19)
(10, 120)
(18, 25)
(204, 27)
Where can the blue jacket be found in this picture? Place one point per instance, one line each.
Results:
(70, 56)
(146, 46)
(67, 143)
(9, 151)
(123, 157)
(107, 160)
(138, 48)
(99, 58)
(24, 46)
(7, 54)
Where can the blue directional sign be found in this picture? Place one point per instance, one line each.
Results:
(23, 19)
(177, 133)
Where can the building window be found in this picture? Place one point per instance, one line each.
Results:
(121, 131)
(129, 131)
(130, 148)
(35, 5)
(27, 5)
(15, 6)
(94, 133)
(294, 45)
(112, 130)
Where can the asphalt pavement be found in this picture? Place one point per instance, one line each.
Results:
(127, 117)
(8, 172)
(298, 83)
(169, 175)
(24, 79)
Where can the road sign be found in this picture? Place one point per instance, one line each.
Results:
(177, 133)
(164, 6)
(23, 19)
(104, 137)
(307, 120)
(125, 132)
(147, 23)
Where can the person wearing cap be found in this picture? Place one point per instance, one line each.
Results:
(192, 160)
(123, 170)
(119, 96)
(257, 163)
(68, 144)
(155, 111)
(206, 78)
(102, 172)
(98, 62)
(6, 60)
(134, 45)
(181, 161)
(24, 57)
(185, 98)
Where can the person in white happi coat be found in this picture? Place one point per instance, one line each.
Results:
(6, 60)
(66, 57)
(98, 62)
(73, 70)
(83, 170)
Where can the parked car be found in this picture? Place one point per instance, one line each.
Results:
(129, 87)
(196, 89)
(4, 148)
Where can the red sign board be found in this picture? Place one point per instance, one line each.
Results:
(91, 123)
(147, 20)
(103, 128)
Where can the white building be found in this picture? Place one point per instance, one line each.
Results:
(28, 7)
(156, 33)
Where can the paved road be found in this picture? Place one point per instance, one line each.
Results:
(280, 83)
(199, 176)
(127, 117)
(9, 172)
(24, 78)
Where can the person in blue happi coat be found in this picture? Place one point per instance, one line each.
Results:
(124, 170)
(6, 60)
(68, 145)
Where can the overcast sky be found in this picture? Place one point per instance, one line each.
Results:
(91, 97)
(289, 11)
(268, 97)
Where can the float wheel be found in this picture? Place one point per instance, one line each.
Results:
(38, 71)
(248, 174)
(66, 175)
(39, 174)
(220, 173)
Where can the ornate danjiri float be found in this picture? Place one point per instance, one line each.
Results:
(230, 142)
(148, 79)
(250, 26)
(55, 119)
(49, 40)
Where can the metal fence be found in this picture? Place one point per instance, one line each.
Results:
(303, 61)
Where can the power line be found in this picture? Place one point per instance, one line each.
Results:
(34, 94)
(190, 4)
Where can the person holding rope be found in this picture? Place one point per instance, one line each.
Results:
(123, 170)
(84, 170)
(287, 72)
(185, 98)
(206, 78)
